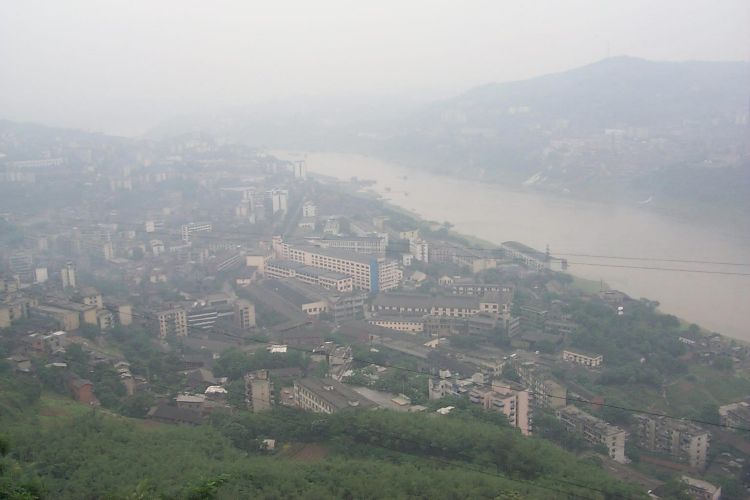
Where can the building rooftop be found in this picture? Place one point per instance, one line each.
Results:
(335, 393)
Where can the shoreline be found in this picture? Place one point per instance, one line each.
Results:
(370, 193)
(584, 285)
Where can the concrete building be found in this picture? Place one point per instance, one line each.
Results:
(327, 396)
(68, 275)
(583, 358)
(65, 319)
(279, 200)
(244, 314)
(258, 391)
(735, 414)
(41, 275)
(472, 288)
(509, 398)
(172, 322)
(371, 273)
(408, 324)
(309, 209)
(14, 308)
(188, 230)
(547, 392)
(330, 280)
(700, 489)
(358, 244)
(91, 297)
(684, 441)
(420, 249)
(595, 431)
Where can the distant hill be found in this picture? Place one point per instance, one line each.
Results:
(606, 128)
(615, 92)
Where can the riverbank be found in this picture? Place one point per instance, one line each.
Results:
(640, 252)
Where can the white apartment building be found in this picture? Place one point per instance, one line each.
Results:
(583, 358)
(368, 272)
(187, 230)
(420, 249)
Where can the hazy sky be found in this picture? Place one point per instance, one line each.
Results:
(122, 66)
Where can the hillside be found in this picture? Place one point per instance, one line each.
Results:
(622, 128)
(63, 450)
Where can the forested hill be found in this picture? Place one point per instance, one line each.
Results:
(622, 128)
(54, 448)
(615, 92)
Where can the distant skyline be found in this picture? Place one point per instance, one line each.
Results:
(123, 66)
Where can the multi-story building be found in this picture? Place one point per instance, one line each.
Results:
(187, 230)
(368, 272)
(509, 398)
(244, 314)
(735, 414)
(682, 440)
(471, 288)
(330, 280)
(309, 209)
(173, 322)
(14, 308)
(68, 275)
(258, 391)
(420, 249)
(547, 392)
(358, 244)
(347, 306)
(66, 319)
(583, 358)
(532, 258)
(409, 324)
(21, 264)
(279, 200)
(595, 431)
(91, 297)
(327, 396)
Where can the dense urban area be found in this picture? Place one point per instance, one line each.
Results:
(197, 319)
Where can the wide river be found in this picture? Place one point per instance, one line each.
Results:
(578, 230)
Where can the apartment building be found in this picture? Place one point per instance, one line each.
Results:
(509, 398)
(471, 288)
(172, 322)
(547, 392)
(187, 230)
(583, 358)
(330, 280)
(595, 431)
(358, 244)
(258, 391)
(244, 314)
(417, 304)
(408, 324)
(684, 441)
(371, 273)
(420, 249)
(735, 414)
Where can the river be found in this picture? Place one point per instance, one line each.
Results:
(495, 213)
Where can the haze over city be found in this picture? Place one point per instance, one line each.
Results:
(330, 249)
(122, 67)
